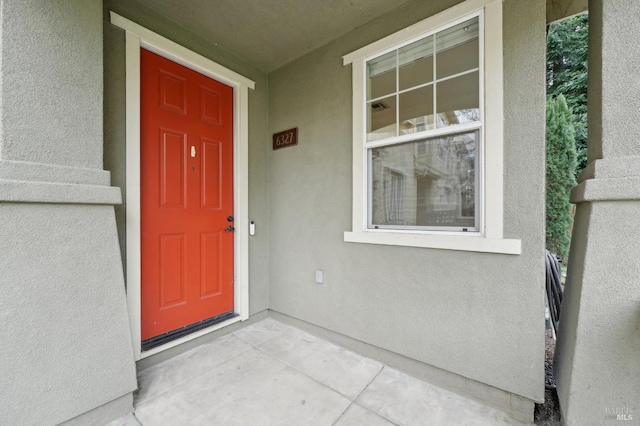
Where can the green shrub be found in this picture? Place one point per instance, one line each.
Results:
(561, 166)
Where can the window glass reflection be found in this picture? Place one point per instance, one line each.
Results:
(426, 183)
(381, 119)
(458, 100)
(416, 64)
(381, 76)
(458, 49)
(416, 110)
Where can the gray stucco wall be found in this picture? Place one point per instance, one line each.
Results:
(66, 345)
(115, 148)
(597, 360)
(65, 330)
(477, 315)
(42, 99)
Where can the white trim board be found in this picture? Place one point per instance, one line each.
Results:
(171, 50)
(139, 37)
(416, 30)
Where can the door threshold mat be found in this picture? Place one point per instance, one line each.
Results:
(154, 342)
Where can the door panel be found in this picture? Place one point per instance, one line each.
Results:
(210, 284)
(172, 171)
(210, 107)
(172, 268)
(211, 179)
(186, 180)
(172, 92)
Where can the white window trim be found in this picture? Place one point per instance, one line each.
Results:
(138, 37)
(490, 239)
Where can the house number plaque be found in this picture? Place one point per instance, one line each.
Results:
(285, 139)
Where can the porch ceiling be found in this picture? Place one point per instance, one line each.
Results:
(560, 9)
(271, 33)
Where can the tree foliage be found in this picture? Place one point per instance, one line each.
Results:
(567, 54)
(567, 47)
(561, 165)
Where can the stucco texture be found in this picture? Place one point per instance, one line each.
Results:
(114, 118)
(597, 359)
(598, 354)
(65, 332)
(66, 342)
(39, 126)
(473, 314)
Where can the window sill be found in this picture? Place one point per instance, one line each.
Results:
(475, 243)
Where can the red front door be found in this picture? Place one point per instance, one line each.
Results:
(186, 179)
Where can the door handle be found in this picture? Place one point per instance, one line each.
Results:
(229, 229)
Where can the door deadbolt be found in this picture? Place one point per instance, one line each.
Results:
(230, 219)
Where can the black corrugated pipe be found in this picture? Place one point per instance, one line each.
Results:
(554, 288)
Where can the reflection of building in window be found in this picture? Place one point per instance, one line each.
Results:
(446, 182)
(393, 186)
(393, 197)
(426, 183)
(422, 147)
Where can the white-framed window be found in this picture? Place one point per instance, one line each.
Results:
(428, 136)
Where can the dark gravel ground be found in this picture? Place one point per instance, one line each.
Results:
(548, 414)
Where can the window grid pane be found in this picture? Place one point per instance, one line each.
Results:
(416, 63)
(381, 119)
(381, 76)
(407, 74)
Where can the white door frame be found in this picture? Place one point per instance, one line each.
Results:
(136, 38)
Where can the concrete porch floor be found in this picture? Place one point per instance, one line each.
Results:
(273, 374)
